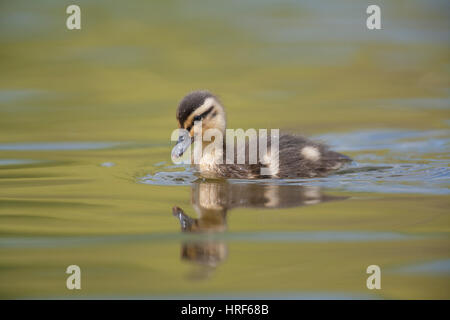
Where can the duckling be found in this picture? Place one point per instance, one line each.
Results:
(297, 157)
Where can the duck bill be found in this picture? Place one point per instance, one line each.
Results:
(183, 143)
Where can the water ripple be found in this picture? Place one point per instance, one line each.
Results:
(415, 162)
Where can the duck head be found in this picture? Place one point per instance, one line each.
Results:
(197, 112)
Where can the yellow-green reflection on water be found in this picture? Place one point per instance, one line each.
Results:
(71, 101)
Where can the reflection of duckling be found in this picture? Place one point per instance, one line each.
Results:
(212, 199)
(297, 156)
(207, 252)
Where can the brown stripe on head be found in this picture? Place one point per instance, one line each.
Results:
(190, 103)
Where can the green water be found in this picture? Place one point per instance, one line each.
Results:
(85, 170)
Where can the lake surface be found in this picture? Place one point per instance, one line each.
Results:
(86, 177)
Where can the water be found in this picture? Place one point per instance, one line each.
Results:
(404, 167)
(86, 176)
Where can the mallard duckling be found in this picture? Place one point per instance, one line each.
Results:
(297, 156)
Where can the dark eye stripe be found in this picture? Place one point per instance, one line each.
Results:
(204, 114)
(201, 116)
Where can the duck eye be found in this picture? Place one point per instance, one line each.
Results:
(197, 118)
